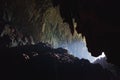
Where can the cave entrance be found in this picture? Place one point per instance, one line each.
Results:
(79, 49)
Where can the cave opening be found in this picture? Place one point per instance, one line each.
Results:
(80, 50)
(37, 37)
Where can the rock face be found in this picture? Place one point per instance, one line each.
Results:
(25, 15)
(98, 21)
(21, 59)
(41, 61)
(36, 18)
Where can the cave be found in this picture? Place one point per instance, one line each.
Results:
(59, 39)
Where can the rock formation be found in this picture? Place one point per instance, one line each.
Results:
(26, 24)
(98, 21)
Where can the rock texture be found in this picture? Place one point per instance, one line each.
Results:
(41, 61)
(38, 19)
(98, 21)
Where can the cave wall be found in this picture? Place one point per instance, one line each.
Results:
(37, 18)
(98, 21)
(25, 15)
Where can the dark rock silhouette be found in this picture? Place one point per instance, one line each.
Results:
(21, 59)
(40, 61)
(98, 21)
